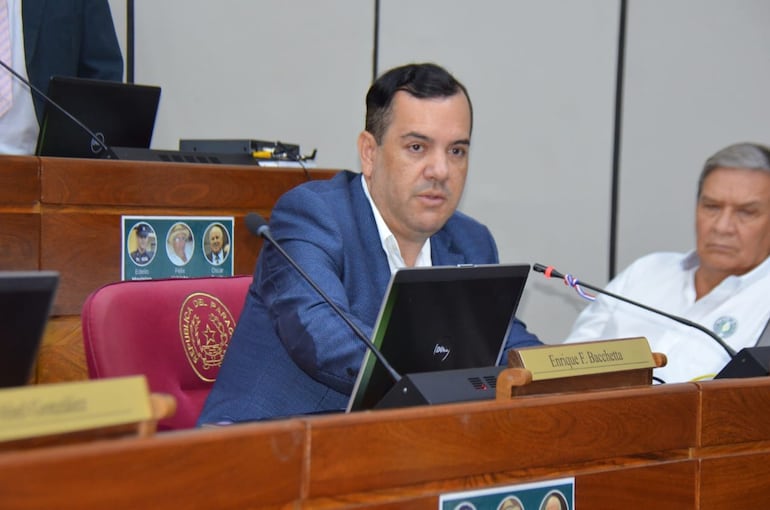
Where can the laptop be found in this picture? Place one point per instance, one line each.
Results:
(26, 298)
(119, 114)
(440, 318)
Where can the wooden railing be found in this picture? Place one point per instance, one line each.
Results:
(679, 446)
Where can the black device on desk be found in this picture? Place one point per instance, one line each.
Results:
(452, 320)
(26, 298)
(119, 114)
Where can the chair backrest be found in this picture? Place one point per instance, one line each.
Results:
(174, 331)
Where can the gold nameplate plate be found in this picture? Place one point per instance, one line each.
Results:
(569, 360)
(46, 409)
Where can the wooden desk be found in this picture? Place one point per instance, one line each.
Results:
(678, 446)
(64, 214)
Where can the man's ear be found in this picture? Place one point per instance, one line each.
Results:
(367, 146)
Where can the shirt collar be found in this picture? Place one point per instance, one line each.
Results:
(388, 240)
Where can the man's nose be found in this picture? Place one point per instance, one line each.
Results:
(438, 166)
(725, 221)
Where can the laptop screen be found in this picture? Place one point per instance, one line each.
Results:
(120, 114)
(26, 298)
(440, 318)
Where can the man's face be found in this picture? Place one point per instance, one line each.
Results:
(142, 240)
(215, 239)
(733, 220)
(417, 175)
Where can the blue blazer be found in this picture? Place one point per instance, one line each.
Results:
(69, 38)
(290, 353)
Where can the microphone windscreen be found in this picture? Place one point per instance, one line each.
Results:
(255, 223)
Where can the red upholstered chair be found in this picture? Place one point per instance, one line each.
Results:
(173, 331)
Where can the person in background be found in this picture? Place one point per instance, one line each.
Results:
(290, 353)
(723, 284)
(46, 38)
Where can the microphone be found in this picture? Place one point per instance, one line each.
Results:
(549, 272)
(109, 153)
(258, 226)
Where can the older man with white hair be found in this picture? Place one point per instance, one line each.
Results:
(724, 284)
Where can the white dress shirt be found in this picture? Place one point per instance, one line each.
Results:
(18, 127)
(737, 310)
(389, 243)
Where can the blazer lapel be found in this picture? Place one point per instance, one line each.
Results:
(370, 237)
(32, 16)
(443, 250)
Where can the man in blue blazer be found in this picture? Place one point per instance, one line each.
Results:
(55, 37)
(290, 353)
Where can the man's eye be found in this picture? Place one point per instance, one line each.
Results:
(458, 151)
(747, 213)
(415, 147)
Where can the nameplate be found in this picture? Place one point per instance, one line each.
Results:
(569, 360)
(48, 409)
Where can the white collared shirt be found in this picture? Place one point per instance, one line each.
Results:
(737, 310)
(389, 243)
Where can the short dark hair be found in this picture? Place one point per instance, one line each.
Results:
(750, 156)
(419, 80)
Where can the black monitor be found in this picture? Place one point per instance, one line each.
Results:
(440, 318)
(26, 298)
(119, 114)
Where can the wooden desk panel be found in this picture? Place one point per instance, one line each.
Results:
(406, 458)
(19, 213)
(83, 200)
(19, 181)
(663, 486)
(67, 181)
(89, 244)
(400, 448)
(19, 240)
(735, 411)
(735, 480)
(62, 357)
(234, 468)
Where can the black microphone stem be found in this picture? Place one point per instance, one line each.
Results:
(264, 231)
(47, 99)
(540, 268)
